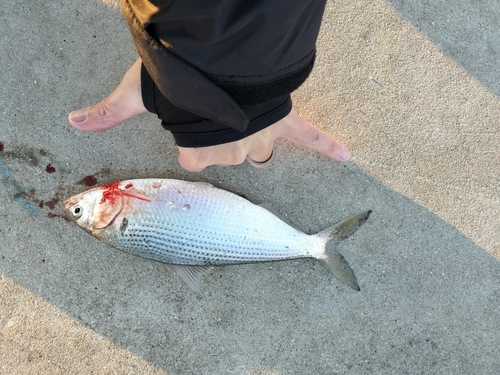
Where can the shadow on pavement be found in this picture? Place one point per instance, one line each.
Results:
(429, 296)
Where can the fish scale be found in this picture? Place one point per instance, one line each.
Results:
(195, 224)
(173, 236)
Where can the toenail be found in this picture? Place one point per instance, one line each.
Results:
(344, 154)
(79, 115)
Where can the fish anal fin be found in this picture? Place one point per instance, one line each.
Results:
(191, 275)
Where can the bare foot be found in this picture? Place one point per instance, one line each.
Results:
(123, 103)
(258, 147)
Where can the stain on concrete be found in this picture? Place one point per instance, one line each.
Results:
(14, 190)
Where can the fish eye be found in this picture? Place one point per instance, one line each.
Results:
(77, 212)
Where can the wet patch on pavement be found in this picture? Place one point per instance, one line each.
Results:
(37, 182)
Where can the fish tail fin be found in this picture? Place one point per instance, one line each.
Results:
(332, 259)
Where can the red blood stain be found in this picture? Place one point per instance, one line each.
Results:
(52, 215)
(88, 181)
(49, 169)
(128, 186)
(51, 204)
(95, 288)
(1, 146)
(110, 193)
(43, 260)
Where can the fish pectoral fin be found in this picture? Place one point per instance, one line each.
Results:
(191, 275)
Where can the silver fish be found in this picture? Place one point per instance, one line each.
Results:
(194, 226)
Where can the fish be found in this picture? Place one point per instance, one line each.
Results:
(194, 226)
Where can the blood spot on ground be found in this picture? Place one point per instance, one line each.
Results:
(88, 181)
(49, 168)
(52, 215)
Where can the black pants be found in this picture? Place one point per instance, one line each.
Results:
(218, 73)
(192, 130)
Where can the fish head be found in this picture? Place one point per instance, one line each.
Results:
(94, 209)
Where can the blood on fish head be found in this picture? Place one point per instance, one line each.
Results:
(97, 208)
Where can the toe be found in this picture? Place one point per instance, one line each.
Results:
(123, 103)
(79, 115)
(96, 118)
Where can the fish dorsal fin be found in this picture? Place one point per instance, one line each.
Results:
(205, 184)
(105, 212)
(191, 275)
(271, 209)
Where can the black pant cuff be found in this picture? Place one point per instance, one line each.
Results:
(227, 135)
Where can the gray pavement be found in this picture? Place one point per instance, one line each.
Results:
(412, 88)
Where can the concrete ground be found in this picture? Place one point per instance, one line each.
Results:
(411, 87)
